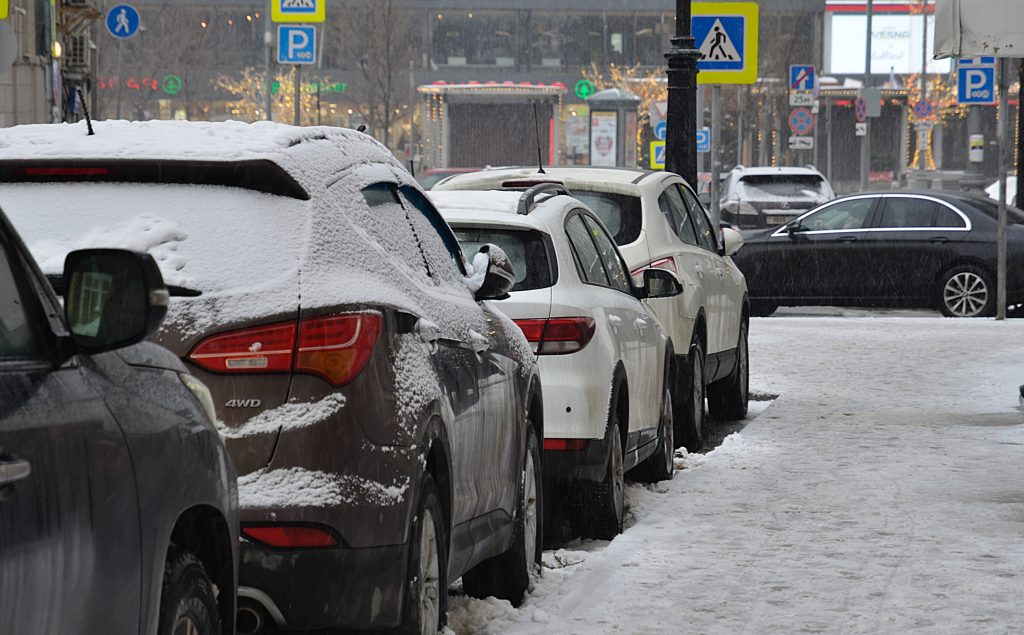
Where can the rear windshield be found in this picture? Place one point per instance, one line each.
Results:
(205, 238)
(620, 213)
(788, 185)
(525, 248)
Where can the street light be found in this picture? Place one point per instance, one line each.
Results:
(681, 118)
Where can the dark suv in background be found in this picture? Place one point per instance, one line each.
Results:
(385, 420)
(118, 507)
(759, 197)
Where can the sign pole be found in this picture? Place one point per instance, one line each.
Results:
(268, 78)
(120, 77)
(865, 141)
(680, 151)
(716, 149)
(1001, 241)
(297, 98)
(700, 124)
(1019, 195)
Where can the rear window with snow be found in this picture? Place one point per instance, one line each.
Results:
(525, 248)
(784, 185)
(205, 238)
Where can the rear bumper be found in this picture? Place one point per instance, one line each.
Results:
(340, 587)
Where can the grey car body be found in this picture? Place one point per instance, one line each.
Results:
(109, 464)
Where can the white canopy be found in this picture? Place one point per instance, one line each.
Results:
(969, 28)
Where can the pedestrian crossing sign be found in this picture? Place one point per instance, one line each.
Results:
(298, 10)
(726, 34)
(657, 155)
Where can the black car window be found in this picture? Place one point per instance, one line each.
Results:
(588, 260)
(902, 212)
(613, 265)
(524, 247)
(18, 337)
(620, 213)
(672, 206)
(706, 236)
(947, 218)
(439, 245)
(848, 214)
(990, 208)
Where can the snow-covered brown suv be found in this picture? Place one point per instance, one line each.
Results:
(384, 420)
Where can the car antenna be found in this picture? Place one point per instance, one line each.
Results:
(85, 109)
(536, 128)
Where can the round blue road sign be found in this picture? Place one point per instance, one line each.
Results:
(660, 130)
(123, 21)
(923, 109)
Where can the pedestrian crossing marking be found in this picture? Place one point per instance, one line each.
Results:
(718, 45)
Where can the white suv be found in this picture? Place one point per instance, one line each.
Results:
(657, 222)
(603, 357)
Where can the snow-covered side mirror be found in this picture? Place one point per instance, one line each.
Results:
(732, 240)
(492, 276)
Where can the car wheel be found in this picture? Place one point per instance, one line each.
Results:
(508, 576)
(762, 308)
(690, 427)
(187, 603)
(427, 589)
(660, 466)
(728, 397)
(966, 291)
(608, 498)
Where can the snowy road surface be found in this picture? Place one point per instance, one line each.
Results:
(883, 491)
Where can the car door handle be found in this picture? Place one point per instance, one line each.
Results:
(700, 270)
(640, 323)
(14, 470)
(429, 333)
(938, 240)
(847, 239)
(615, 321)
(479, 343)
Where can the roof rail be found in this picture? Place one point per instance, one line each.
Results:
(527, 200)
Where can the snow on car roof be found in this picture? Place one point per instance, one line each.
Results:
(761, 171)
(616, 180)
(482, 200)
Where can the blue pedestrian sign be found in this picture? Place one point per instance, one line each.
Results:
(976, 81)
(123, 21)
(703, 139)
(802, 78)
(296, 44)
(660, 130)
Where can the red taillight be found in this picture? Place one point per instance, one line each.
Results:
(564, 444)
(298, 536)
(335, 347)
(557, 336)
(668, 264)
(265, 349)
(80, 171)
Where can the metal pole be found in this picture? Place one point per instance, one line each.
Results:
(120, 78)
(680, 149)
(740, 99)
(828, 138)
(922, 134)
(1001, 241)
(298, 96)
(268, 78)
(1019, 195)
(716, 148)
(700, 124)
(865, 141)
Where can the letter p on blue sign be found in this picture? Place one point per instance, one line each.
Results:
(296, 44)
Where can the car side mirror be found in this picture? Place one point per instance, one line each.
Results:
(795, 228)
(705, 199)
(659, 283)
(500, 277)
(112, 298)
(732, 240)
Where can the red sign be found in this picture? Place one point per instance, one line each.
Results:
(801, 121)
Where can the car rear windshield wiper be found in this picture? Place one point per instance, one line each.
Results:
(57, 282)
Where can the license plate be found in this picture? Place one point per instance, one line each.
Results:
(775, 219)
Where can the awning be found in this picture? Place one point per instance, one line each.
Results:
(969, 28)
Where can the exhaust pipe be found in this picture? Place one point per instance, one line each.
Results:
(251, 618)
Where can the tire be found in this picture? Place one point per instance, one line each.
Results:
(966, 291)
(762, 308)
(607, 499)
(660, 466)
(426, 603)
(729, 397)
(187, 602)
(690, 427)
(509, 576)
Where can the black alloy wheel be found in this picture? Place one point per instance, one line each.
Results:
(690, 428)
(427, 587)
(187, 602)
(660, 466)
(729, 397)
(607, 505)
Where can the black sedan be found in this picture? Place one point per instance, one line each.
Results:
(905, 249)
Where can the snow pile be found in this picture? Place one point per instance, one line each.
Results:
(298, 487)
(286, 416)
(735, 451)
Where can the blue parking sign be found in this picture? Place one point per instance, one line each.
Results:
(703, 138)
(296, 44)
(976, 81)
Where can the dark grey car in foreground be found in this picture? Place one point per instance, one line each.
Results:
(118, 505)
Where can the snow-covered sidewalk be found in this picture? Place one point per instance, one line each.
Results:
(883, 491)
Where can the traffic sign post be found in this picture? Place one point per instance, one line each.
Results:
(803, 85)
(726, 34)
(298, 10)
(123, 21)
(860, 110)
(4, 9)
(660, 130)
(976, 81)
(657, 154)
(923, 109)
(703, 139)
(801, 143)
(296, 44)
(801, 121)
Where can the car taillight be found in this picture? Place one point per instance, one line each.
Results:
(337, 347)
(557, 336)
(334, 347)
(560, 445)
(668, 264)
(300, 536)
